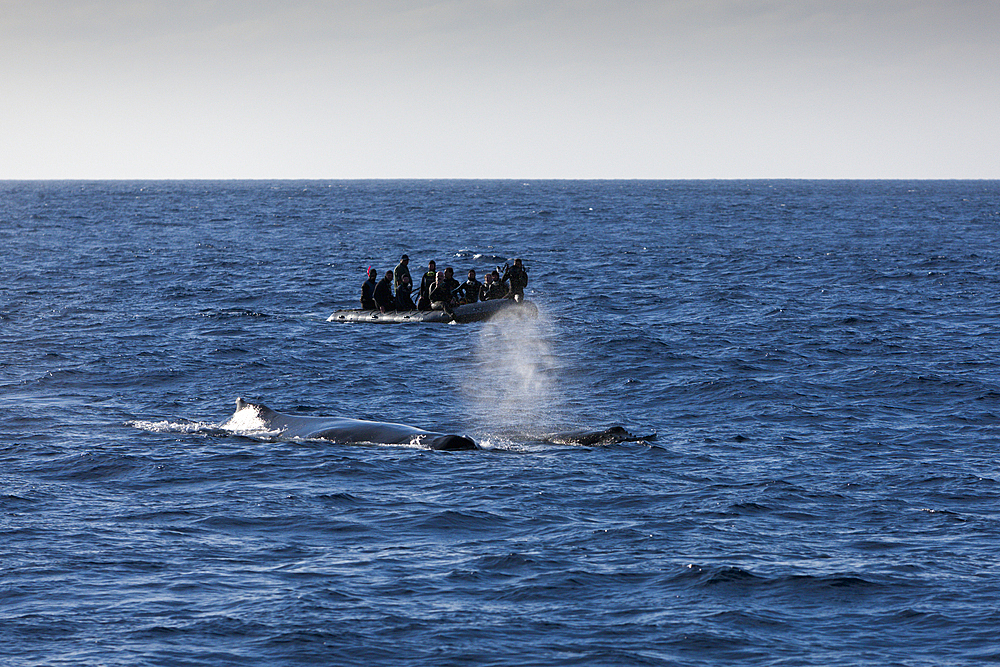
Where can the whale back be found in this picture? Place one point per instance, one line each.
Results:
(256, 417)
(608, 436)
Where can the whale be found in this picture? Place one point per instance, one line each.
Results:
(255, 417)
(608, 436)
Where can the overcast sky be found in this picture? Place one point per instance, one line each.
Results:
(499, 89)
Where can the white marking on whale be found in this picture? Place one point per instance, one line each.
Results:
(257, 417)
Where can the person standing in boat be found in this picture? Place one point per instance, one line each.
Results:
(471, 289)
(384, 298)
(368, 291)
(403, 301)
(518, 278)
(423, 297)
(402, 269)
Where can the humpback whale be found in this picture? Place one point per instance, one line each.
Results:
(259, 417)
(608, 436)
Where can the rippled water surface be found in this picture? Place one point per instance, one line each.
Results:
(818, 361)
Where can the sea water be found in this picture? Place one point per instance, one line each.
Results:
(819, 361)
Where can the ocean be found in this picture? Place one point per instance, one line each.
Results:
(819, 362)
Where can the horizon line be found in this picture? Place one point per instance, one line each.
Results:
(470, 179)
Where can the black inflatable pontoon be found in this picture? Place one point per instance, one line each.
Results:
(472, 312)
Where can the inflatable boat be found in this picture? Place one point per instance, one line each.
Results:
(470, 312)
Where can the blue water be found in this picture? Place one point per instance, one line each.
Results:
(820, 361)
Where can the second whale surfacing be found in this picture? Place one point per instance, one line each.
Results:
(258, 417)
(608, 436)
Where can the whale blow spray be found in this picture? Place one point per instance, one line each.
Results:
(515, 390)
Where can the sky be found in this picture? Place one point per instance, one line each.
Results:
(524, 89)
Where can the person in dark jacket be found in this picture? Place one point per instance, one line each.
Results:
(518, 278)
(384, 298)
(451, 283)
(441, 294)
(402, 269)
(471, 289)
(403, 301)
(368, 291)
(423, 297)
(494, 289)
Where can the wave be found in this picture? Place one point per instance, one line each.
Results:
(795, 584)
(167, 426)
